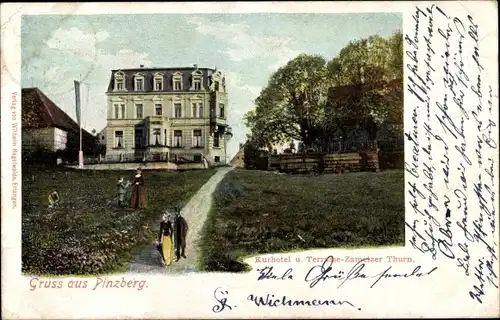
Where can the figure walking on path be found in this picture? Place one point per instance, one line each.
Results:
(165, 239)
(139, 197)
(180, 230)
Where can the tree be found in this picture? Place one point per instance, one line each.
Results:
(309, 100)
(292, 104)
(368, 85)
(368, 61)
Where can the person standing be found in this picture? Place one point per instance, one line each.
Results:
(139, 197)
(180, 228)
(122, 189)
(165, 239)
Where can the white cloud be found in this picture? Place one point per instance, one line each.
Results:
(87, 62)
(242, 45)
(124, 58)
(56, 74)
(74, 41)
(234, 81)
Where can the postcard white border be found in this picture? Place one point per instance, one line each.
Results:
(442, 295)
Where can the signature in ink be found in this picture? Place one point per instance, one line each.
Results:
(221, 298)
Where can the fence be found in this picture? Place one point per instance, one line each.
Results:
(321, 162)
(332, 156)
(177, 158)
(343, 146)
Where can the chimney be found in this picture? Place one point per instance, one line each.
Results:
(195, 66)
(142, 66)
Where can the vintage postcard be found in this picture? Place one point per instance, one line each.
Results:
(250, 160)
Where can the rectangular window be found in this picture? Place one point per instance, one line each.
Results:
(119, 143)
(212, 110)
(216, 85)
(139, 139)
(122, 115)
(177, 85)
(178, 110)
(217, 159)
(158, 109)
(119, 85)
(195, 108)
(139, 84)
(197, 84)
(216, 139)
(117, 111)
(177, 138)
(164, 137)
(221, 110)
(200, 110)
(139, 111)
(158, 84)
(197, 138)
(157, 135)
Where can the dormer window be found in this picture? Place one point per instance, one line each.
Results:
(158, 85)
(177, 81)
(139, 82)
(215, 82)
(196, 80)
(119, 81)
(197, 84)
(158, 82)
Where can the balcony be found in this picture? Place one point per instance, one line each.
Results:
(157, 119)
(218, 121)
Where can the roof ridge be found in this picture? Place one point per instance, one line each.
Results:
(164, 68)
(42, 97)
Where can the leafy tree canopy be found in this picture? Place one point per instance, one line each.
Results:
(310, 97)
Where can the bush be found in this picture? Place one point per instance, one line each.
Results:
(392, 160)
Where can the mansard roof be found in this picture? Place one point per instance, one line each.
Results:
(150, 73)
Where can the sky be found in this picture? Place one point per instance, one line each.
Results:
(247, 48)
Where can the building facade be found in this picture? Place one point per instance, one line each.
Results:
(167, 113)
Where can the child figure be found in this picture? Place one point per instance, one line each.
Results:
(53, 199)
(122, 189)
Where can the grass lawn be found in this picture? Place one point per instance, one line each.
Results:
(257, 212)
(86, 234)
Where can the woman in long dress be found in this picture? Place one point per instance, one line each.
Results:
(138, 198)
(165, 239)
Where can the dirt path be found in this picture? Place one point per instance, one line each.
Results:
(195, 212)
